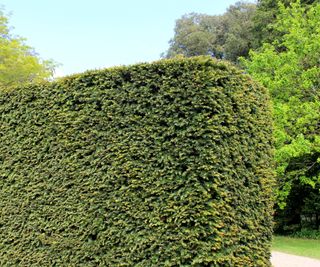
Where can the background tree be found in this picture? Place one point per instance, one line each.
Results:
(289, 68)
(195, 34)
(236, 32)
(227, 36)
(265, 15)
(18, 62)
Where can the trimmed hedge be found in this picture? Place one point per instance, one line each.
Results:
(162, 164)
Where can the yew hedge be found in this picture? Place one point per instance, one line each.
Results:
(161, 164)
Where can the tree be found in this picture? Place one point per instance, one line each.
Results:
(227, 36)
(236, 34)
(18, 62)
(195, 34)
(265, 16)
(289, 68)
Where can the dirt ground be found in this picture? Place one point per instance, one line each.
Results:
(279, 259)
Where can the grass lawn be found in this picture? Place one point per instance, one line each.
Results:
(297, 246)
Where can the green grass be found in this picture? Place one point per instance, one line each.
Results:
(297, 246)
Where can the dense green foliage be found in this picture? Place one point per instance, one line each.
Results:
(194, 36)
(265, 16)
(285, 39)
(19, 63)
(227, 36)
(242, 27)
(162, 164)
(307, 234)
(289, 68)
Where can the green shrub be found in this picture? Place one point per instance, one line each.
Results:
(307, 233)
(162, 164)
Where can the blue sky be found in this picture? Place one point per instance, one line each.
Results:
(95, 34)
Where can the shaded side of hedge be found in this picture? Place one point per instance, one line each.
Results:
(162, 164)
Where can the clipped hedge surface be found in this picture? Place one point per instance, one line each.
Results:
(162, 164)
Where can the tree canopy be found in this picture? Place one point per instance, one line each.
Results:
(19, 63)
(289, 68)
(195, 35)
(227, 36)
(265, 16)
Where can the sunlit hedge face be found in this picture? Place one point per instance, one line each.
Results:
(162, 164)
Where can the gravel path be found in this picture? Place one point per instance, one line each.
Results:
(279, 259)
